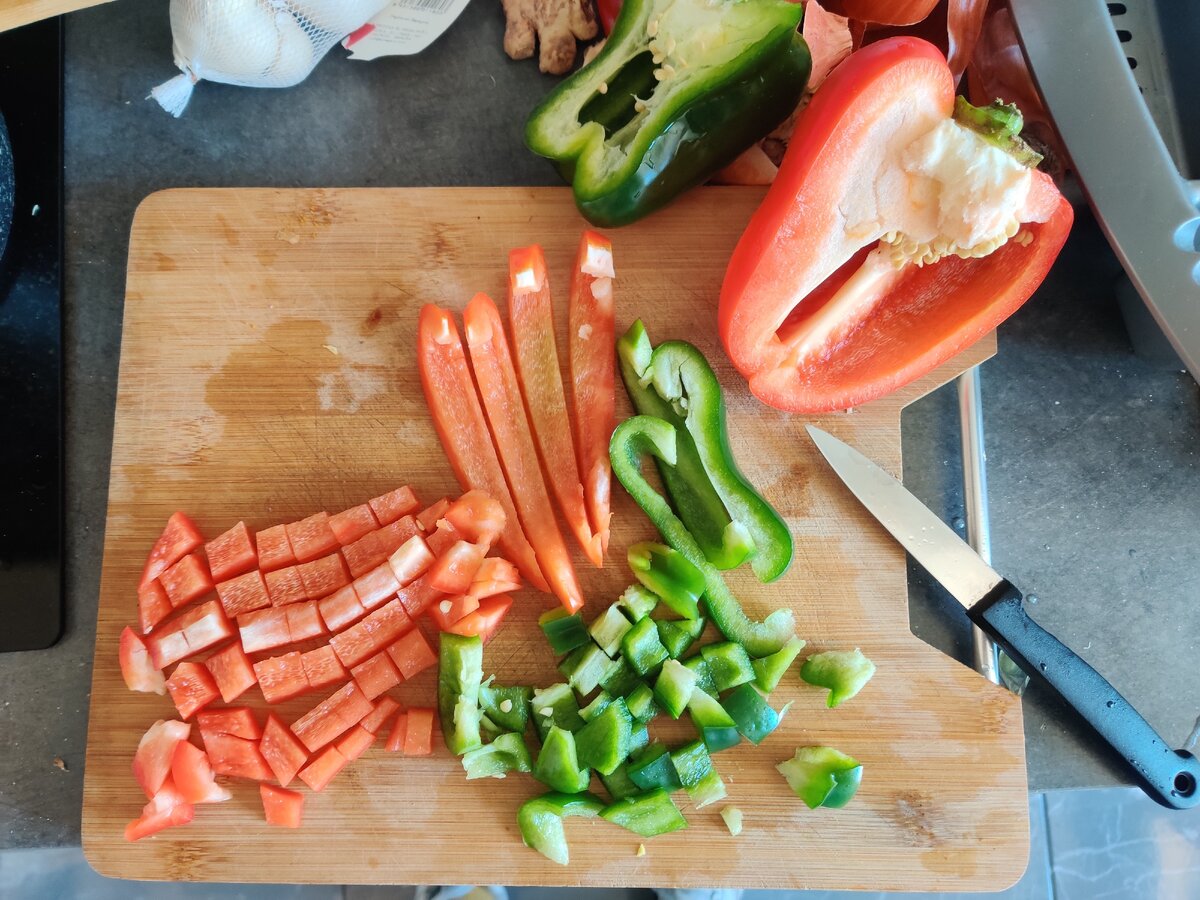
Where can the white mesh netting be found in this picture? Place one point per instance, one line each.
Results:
(254, 43)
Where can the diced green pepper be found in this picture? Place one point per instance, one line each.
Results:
(637, 602)
(648, 814)
(642, 649)
(540, 821)
(674, 686)
(678, 635)
(822, 776)
(460, 673)
(717, 728)
(597, 706)
(652, 768)
(618, 784)
(669, 574)
(620, 678)
(641, 704)
(565, 632)
(586, 667)
(557, 764)
(750, 712)
(699, 778)
(556, 705)
(645, 435)
(704, 680)
(844, 672)
(604, 742)
(728, 663)
(769, 669)
(733, 819)
(608, 628)
(507, 707)
(639, 739)
(507, 753)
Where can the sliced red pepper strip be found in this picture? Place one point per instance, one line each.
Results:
(591, 338)
(531, 314)
(492, 362)
(800, 252)
(458, 417)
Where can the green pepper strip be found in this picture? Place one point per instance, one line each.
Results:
(726, 544)
(540, 820)
(646, 435)
(668, 574)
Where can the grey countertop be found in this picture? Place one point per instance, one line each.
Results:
(1092, 452)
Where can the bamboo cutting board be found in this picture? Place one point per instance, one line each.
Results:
(267, 372)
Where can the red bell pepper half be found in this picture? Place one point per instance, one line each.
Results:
(894, 237)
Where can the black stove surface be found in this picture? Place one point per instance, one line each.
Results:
(31, 466)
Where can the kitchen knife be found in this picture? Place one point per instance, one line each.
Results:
(1171, 777)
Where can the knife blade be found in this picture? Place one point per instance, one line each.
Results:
(1170, 777)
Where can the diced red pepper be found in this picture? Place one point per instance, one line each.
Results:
(194, 630)
(355, 742)
(137, 667)
(153, 605)
(281, 806)
(274, 549)
(152, 760)
(531, 316)
(372, 634)
(505, 408)
(398, 533)
(376, 587)
(455, 569)
(477, 518)
(322, 668)
(428, 517)
(376, 674)
(364, 554)
(395, 741)
(323, 576)
(417, 596)
(495, 576)
(411, 560)
(286, 586)
(485, 620)
(304, 621)
(238, 721)
(447, 611)
(232, 671)
(311, 537)
(418, 732)
(443, 538)
(282, 750)
(186, 580)
(245, 593)
(384, 707)
(591, 333)
(236, 756)
(458, 417)
(282, 677)
(351, 524)
(332, 717)
(193, 775)
(394, 504)
(264, 629)
(341, 608)
(179, 538)
(320, 771)
(192, 688)
(165, 809)
(412, 654)
(231, 554)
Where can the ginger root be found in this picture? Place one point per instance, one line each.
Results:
(555, 25)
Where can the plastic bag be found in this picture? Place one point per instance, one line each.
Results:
(254, 43)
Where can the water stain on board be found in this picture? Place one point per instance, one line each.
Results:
(281, 372)
(163, 262)
(229, 231)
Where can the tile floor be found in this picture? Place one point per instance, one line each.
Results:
(1087, 845)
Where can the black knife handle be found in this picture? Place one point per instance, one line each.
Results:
(1171, 777)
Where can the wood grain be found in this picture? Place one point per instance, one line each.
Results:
(267, 371)
(14, 13)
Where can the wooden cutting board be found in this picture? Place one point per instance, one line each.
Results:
(267, 372)
(14, 13)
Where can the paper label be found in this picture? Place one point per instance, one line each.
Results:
(404, 27)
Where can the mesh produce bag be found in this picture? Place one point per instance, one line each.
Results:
(254, 43)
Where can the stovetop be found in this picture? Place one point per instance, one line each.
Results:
(31, 462)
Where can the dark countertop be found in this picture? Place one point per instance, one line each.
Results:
(1095, 478)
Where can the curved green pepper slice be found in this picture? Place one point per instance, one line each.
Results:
(646, 435)
(540, 821)
(822, 776)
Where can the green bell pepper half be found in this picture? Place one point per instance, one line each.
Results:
(669, 574)
(844, 672)
(680, 89)
(541, 821)
(646, 435)
(822, 776)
